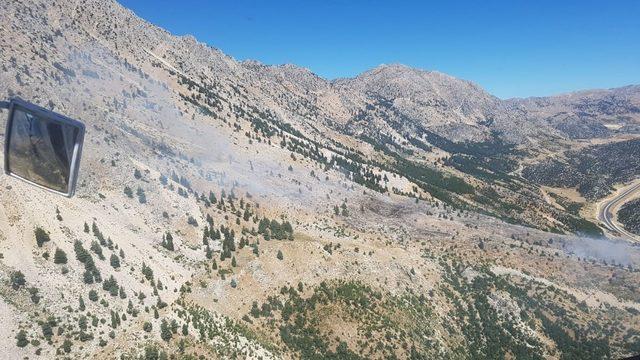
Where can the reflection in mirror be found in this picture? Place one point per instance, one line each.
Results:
(41, 150)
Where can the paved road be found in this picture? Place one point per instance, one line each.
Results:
(605, 214)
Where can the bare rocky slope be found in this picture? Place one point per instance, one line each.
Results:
(236, 210)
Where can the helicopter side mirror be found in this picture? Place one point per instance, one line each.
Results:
(41, 147)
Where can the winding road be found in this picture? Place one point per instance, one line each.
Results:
(605, 214)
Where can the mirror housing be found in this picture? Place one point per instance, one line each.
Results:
(42, 147)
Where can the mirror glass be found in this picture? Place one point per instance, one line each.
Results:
(41, 150)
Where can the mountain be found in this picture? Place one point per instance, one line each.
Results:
(233, 209)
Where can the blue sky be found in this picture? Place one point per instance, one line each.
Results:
(511, 48)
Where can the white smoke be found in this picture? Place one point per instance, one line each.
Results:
(611, 251)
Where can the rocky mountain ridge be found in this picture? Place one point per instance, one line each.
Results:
(454, 108)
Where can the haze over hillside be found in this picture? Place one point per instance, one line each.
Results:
(235, 210)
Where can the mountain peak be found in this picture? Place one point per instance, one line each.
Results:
(393, 67)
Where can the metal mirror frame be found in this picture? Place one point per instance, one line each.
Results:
(17, 103)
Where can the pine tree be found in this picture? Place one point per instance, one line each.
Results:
(280, 256)
(60, 257)
(81, 305)
(17, 279)
(86, 227)
(41, 236)
(97, 249)
(142, 197)
(33, 291)
(345, 211)
(128, 192)
(81, 254)
(115, 319)
(255, 311)
(163, 179)
(47, 331)
(87, 277)
(147, 272)
(233, 262)
(82, 322)
(114, 261)
(205, 239)
(21, 338)
(165, 331)
(167, 241)
(66, 345)
(111, 285)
